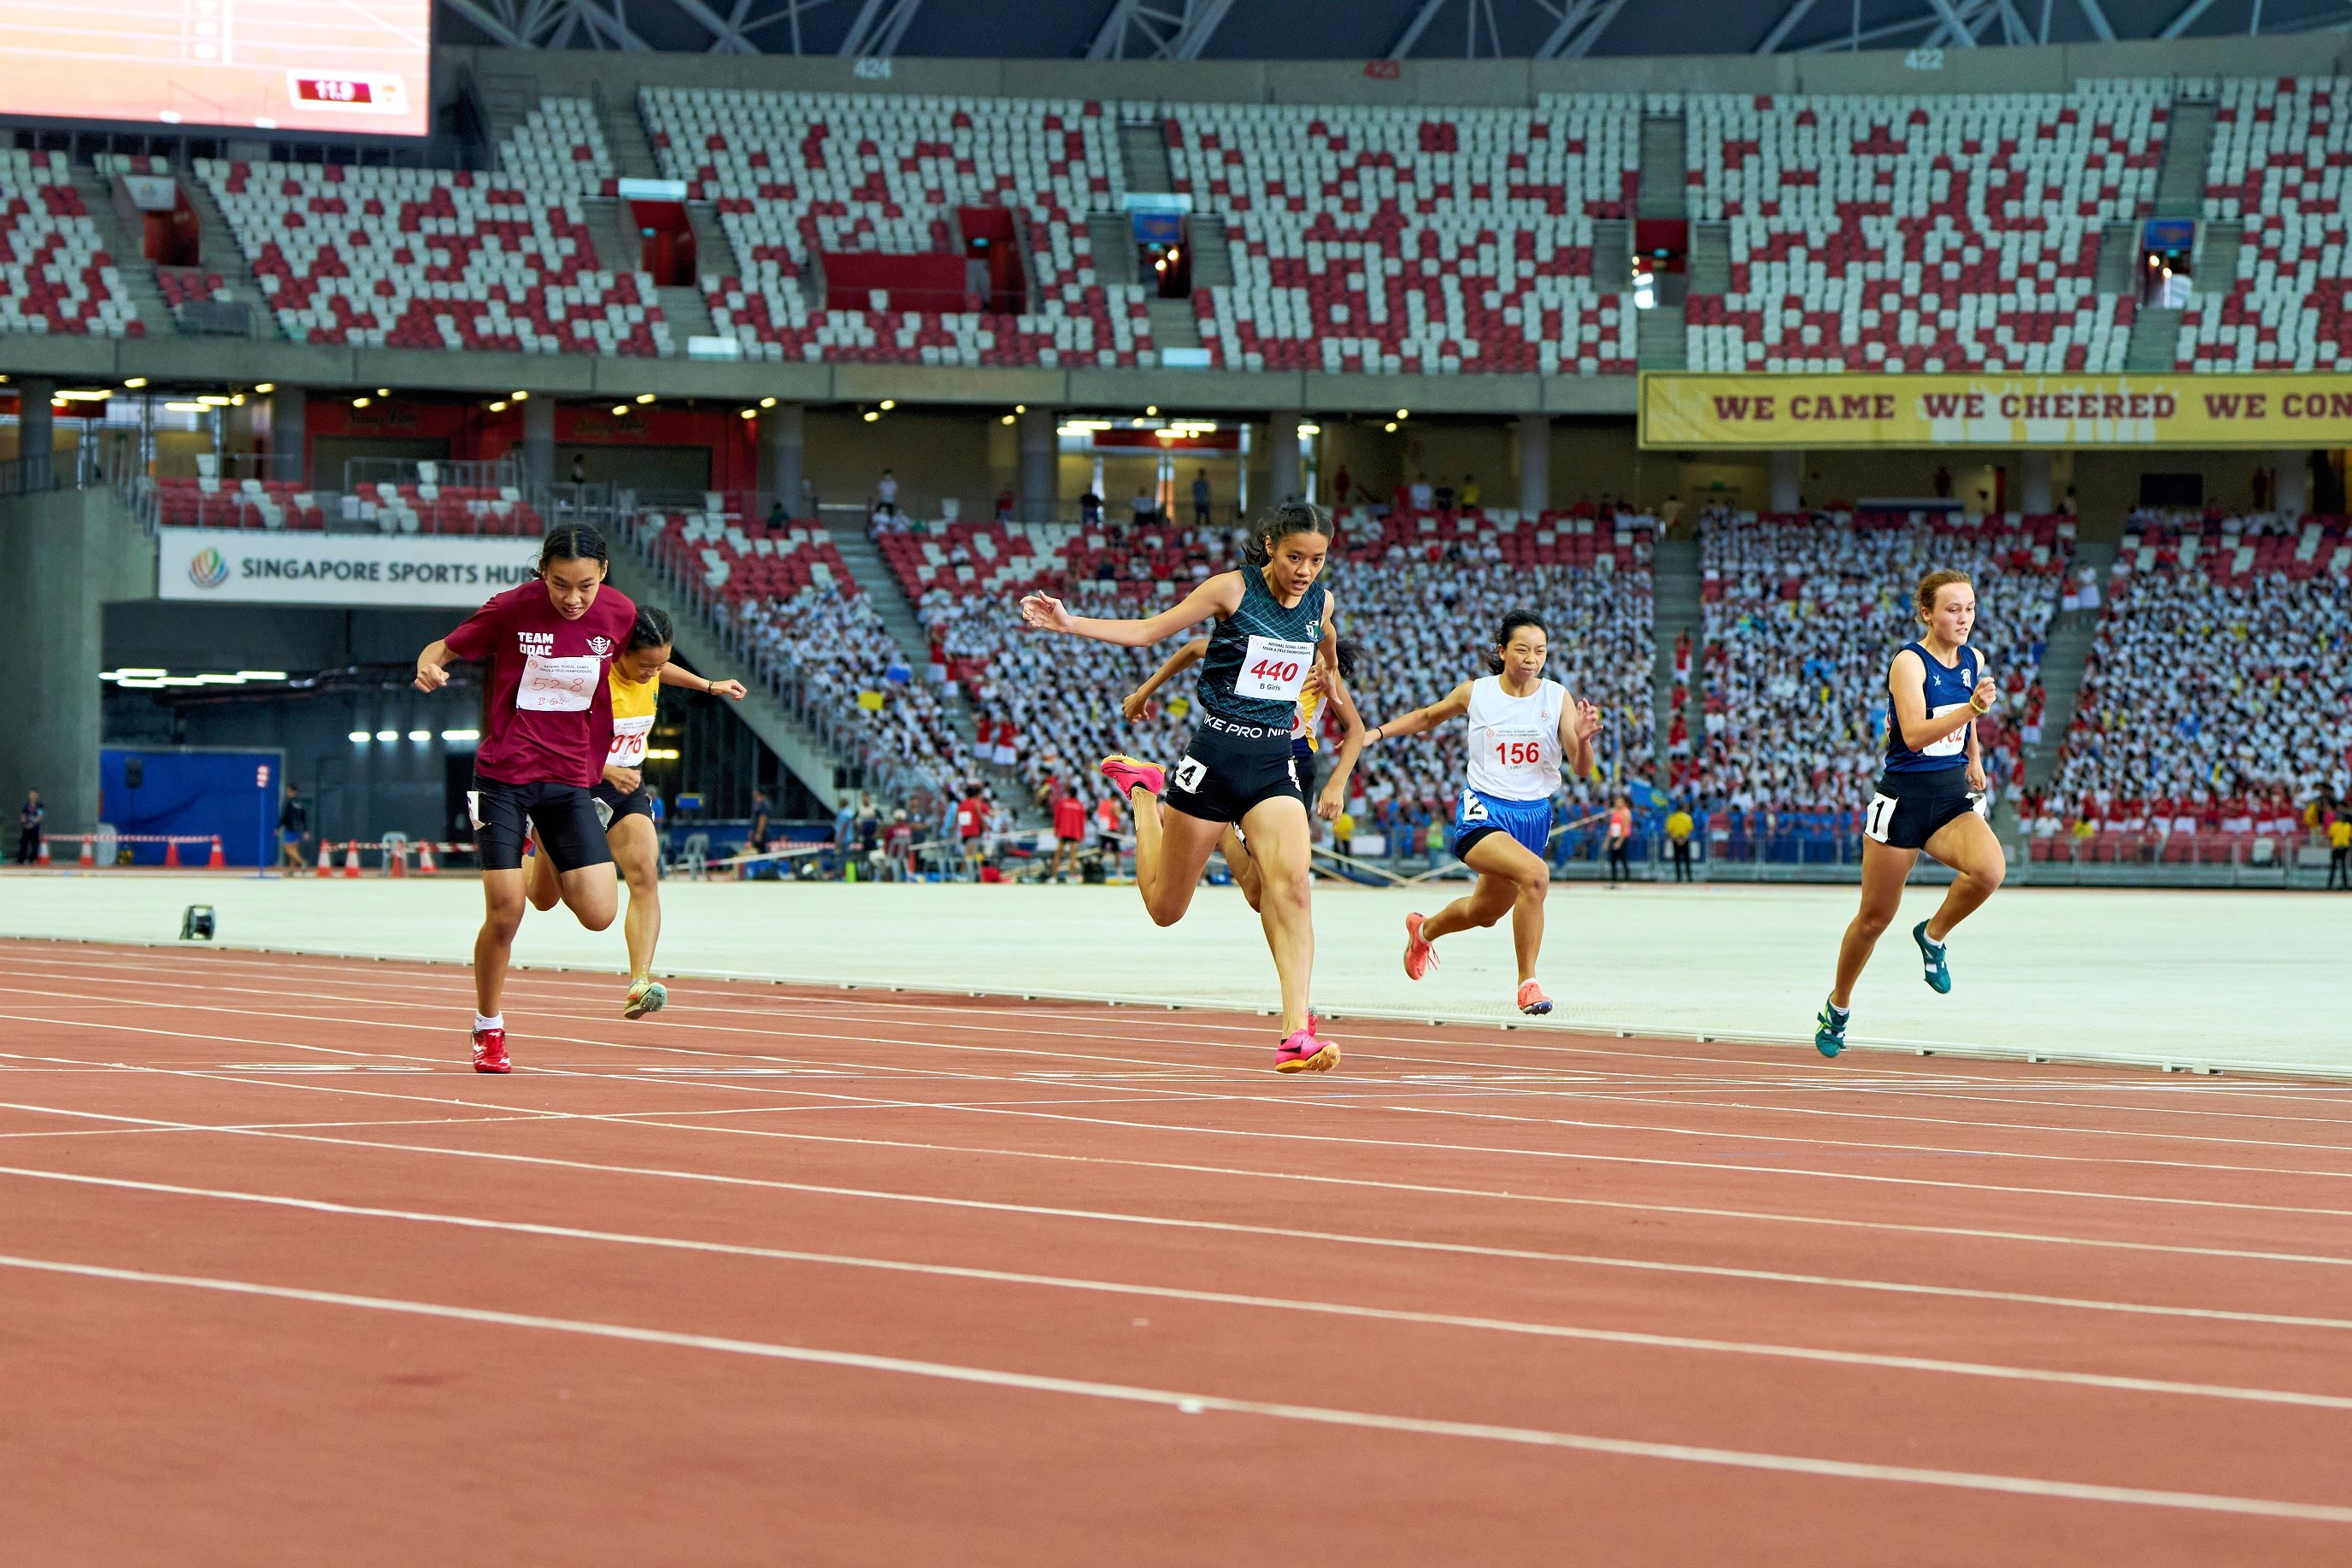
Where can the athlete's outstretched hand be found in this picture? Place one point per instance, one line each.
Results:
(1986, 695)
(1132, 705)
(1046, 613)
(732, 689)
(430, 676)
(1588, 720)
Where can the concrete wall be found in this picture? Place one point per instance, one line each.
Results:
(63, 557)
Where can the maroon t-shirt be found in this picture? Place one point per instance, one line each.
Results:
(551, 706)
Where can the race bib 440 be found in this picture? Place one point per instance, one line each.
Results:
(1273, 670)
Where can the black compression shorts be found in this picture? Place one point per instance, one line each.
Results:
(1228, 768)
(1909, 808)
(563, 817)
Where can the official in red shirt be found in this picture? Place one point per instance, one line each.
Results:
(1069, 829)
(546, 725)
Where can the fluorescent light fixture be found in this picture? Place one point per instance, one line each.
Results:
(213, 399)
(1008, 419)
(134, 382)
(360, 738)
(1152, 409)
(237, 399)
(265, 387)
(661, 754)
(499, 406)
(387, 734)
(1090, 424)
(383, 392)
(83, 394)
(140, 683)
(420, 735)
(1390, 427)
(519, 397)
(461, 735)
(888, 404)
(645, 397)
(767, 402)
(1311, 430)
(751, 414)
(262, 674)
(142, 674)
(361, 402)
(218, 680)
(872, 415)
(183, 408)
(619, 409)
(182, 681)
(1404, 413)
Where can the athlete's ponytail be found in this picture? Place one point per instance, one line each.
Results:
(1514, 622)
(653, 630)
(1278, 523)
(573, 541)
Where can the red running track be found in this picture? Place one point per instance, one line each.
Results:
(815, 1277)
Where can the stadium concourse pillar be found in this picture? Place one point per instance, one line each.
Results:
(2034, 493)
(64, 555)
(288, 435)
(539, 442)
(1282, 457)
(1535, 464)
(1788, 481)
(785, 427)
(2293, 495)
(36, 431)
(1040, 466)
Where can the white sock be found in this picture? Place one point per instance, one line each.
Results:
(1837, 1011)
(496, 1020)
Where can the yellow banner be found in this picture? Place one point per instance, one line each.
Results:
(1859, 409)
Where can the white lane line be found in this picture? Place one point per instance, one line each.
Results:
(1645, 1161)
(1196, 1403)
(1403, 1244)
(1764, 1348)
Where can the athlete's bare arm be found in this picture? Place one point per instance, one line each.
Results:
(1908, 681)
(1578, 723)
(433, 667)
(1452, 705)
(1175, 664)
(679, 675)
(1334, 794)
(1219, 597)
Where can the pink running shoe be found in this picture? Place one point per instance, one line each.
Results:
(490, 1051)
(1532, 1001)
(1302, 1052)
(1420, 957)
(1127, 772)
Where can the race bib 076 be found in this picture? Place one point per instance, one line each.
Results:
(629, 741)
(559, 685)
(1273, 670)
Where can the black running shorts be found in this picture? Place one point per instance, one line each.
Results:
(638, 802)
(1228, 768)
(1909, 808)
(563, 815)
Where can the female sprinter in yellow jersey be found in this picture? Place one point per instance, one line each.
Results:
(638, 672)
(1522, 728)
(1274, 630)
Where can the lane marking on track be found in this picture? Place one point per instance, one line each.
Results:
(1287, 1233)
(1191, 1403)
(1871, 1359)
(1278, 1097)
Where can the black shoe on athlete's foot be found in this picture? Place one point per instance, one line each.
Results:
(1931, 954)
(1829, 1028)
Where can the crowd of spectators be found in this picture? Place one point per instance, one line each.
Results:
(1801, 617)
(2217, 699)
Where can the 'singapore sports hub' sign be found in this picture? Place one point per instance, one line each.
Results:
(1860, 409)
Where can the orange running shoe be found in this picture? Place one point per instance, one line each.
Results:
(1302, 1052)
(1420, 957)
(1127, 772)
(1532, 1001)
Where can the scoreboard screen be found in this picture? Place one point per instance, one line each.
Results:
(315, 67)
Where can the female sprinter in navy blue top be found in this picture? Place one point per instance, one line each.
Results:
(1522, 728)
(1931, 795)
(1273, 633)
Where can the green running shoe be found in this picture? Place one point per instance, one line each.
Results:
(1931, 952)
(1829, 1030)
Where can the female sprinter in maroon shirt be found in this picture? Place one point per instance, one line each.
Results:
(549, 720)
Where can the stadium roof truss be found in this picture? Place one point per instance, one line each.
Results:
(1394, 29)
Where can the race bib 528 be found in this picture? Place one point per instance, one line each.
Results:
(559, 685)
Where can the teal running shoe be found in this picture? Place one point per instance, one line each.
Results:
(1829, 1030)
(1931, 952)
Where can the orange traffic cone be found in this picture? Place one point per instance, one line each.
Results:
(88, 851)
(425, 865)
(326, 858)
(351, 859)
(41, 857)
(396, 858)
(219, 859)
(171, 853)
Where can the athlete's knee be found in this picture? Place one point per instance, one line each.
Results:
(1871, 924)
(596, 916)
(1535, 881)
(542, 896)
(1991, 873)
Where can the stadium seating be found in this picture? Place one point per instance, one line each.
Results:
(1800, 616)
(2217, 689)
(188, 286)
(208, 503)
(559, 147)
(1433, 240)
(430, 258)
(797, 174)
(737, 558)
(1927, 234)
(55, 276)
(2278, 166)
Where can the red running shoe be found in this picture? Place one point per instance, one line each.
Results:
(1302, 1052)
(1127, 772)
(1420, 957)
(490, 1051)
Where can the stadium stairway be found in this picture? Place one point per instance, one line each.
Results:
(218, 254)
(2118, 259)
(1112, 239)
(2154, 342)
(1674, 581)
(625, 139)
(1665, 167)
(897, 617)
(1710, 258)
(798, 749)
(1174, 323)
(2218, 243)
(2071, 635)
(1143, 153)
(2180, 183)
(125, 245)
(1213, 255)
